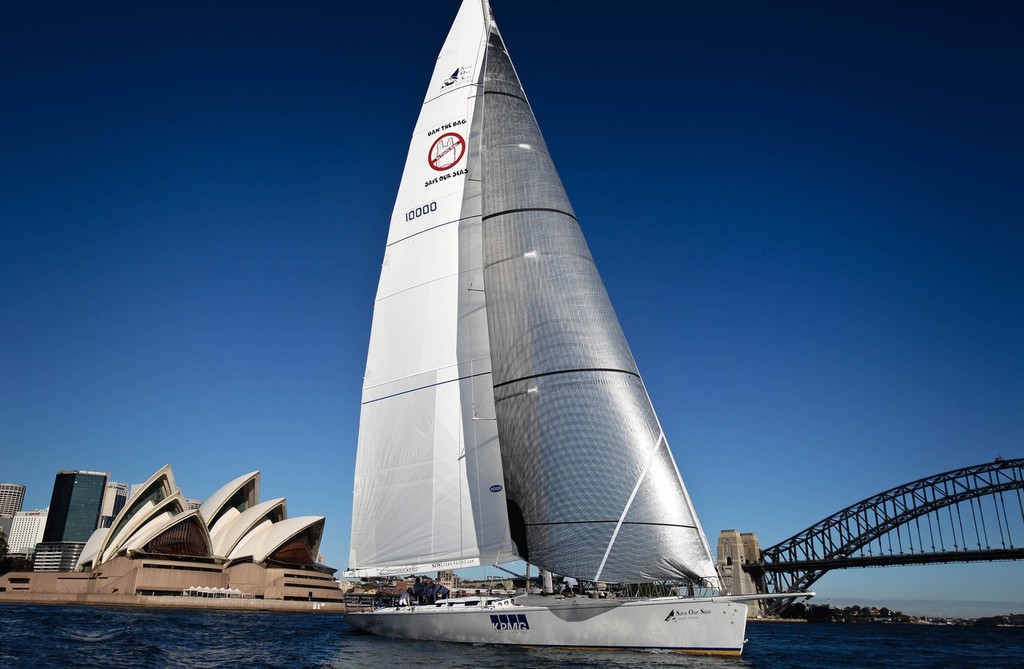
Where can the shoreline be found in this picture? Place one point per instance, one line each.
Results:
(776, 620)
(171, 602)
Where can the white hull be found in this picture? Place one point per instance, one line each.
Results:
(708, 625)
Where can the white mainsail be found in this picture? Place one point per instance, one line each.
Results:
(492, 325)
(428, 488)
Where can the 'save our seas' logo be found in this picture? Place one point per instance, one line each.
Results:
(515, 622)
(458, 76)
(685, 614)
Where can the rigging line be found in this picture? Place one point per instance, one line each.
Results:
(429, 385)
(629, 502)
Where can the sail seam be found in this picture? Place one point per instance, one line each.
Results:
(429, 385)
(629, 503)
(439, 225)
(566, 371)
(511, 95)
(518, 211)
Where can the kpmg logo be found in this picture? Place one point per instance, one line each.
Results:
(515, 622)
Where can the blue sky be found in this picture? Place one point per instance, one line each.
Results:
(808, 218)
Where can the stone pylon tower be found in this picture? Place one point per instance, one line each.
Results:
(736, 549)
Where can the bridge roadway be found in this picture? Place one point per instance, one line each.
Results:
(987, 555)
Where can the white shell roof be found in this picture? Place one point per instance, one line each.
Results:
(173, 505)
(248, 521)
(213, 504)
(267, 539)
(161, 524)
(135, 511)
(256, 533)
(91, 550)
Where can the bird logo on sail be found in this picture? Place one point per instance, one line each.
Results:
(460, 75)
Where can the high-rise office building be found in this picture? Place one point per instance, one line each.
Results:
(26, 531)
(74, 515)
(12, 495)
(75, 505)
(113, 501)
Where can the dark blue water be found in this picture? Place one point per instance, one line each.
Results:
(62, 636)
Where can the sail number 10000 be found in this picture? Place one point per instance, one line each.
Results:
(413, 214)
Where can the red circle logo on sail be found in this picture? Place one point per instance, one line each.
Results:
(446, 151)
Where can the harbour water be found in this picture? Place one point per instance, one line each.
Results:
(69, 636)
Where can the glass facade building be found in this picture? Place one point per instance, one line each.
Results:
(75, 506)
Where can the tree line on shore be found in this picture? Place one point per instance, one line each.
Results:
(9, 562)
(824, 613)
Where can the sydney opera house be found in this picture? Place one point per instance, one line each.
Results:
(231, 545)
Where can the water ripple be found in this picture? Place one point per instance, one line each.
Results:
(73, 637)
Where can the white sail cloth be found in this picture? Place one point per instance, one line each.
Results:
(428, 484)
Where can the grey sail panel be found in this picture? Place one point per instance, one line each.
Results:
(592, 488)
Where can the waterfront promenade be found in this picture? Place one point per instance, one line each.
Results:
(164, 602)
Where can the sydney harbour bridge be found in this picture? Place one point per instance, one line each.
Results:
(972, 514)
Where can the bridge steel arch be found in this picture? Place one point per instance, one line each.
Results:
(965, 515)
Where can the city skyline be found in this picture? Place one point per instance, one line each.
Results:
(807, 218)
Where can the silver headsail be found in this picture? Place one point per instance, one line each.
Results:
(592, 487)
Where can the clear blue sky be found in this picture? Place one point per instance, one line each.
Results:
(808, 216)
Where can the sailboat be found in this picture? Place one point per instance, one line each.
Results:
(503, 417)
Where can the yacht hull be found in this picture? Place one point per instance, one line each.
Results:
(706, 626)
